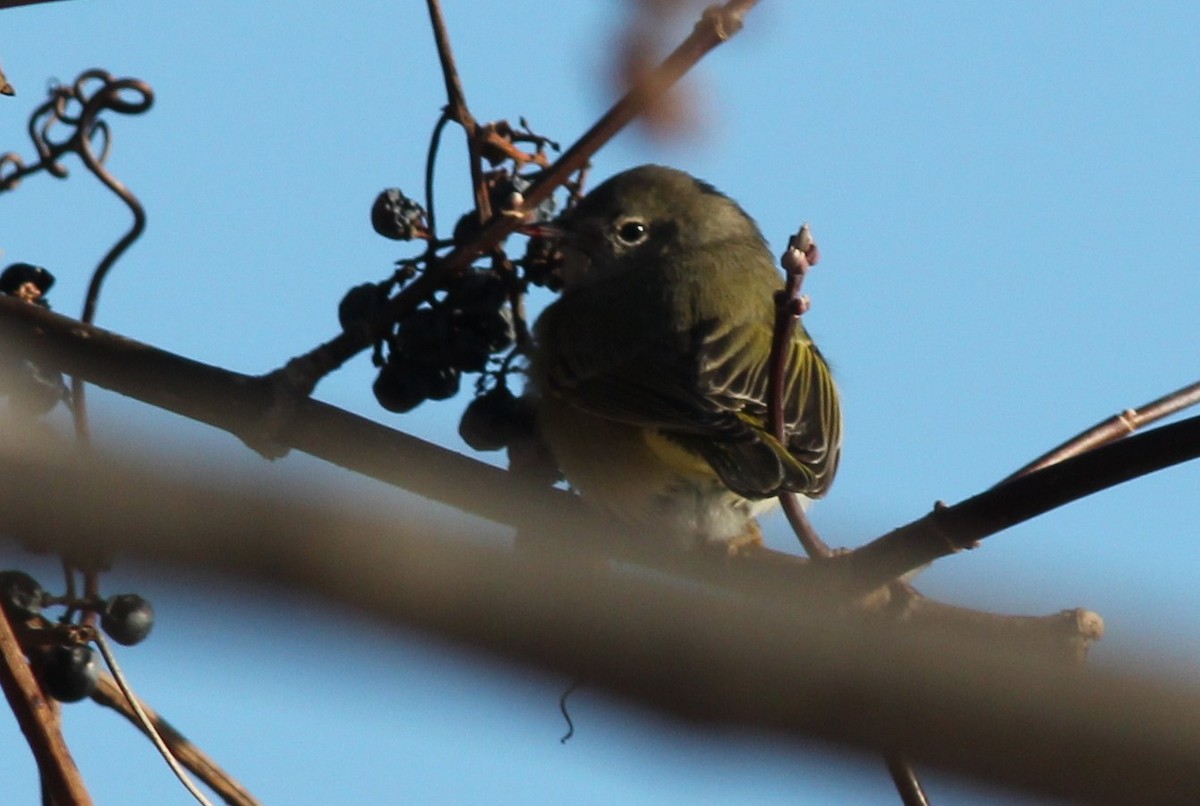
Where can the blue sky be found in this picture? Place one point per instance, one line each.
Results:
(1006, 197)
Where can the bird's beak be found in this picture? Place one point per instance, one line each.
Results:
(552, 230)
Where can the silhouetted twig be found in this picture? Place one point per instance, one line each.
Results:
(235, 402)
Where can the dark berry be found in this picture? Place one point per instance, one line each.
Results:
(468, 352)
(20, 594)
(69, 673)
(475, 291)
(424, 333)
(399, 386)
(395, 216)
(543, 263)
(488, 421)
(17, 274)
(476, 339)
(127, 618)
(359, 304)
(466, 228)
(441, 381)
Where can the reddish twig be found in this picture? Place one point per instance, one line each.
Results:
(61, 780)
(798, 258)
(1116, 427)
(456, 108)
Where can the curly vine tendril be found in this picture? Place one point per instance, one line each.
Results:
(78, 107)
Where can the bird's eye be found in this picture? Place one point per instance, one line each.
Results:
(632, 232)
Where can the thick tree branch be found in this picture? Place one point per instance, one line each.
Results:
(237, 403)
(758, 658)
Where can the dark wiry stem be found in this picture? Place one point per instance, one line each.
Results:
(457, 109)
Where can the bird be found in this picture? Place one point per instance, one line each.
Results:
(649, 373)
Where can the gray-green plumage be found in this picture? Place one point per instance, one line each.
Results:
(665, 325)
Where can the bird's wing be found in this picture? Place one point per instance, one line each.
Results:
(735, 376)
(706, 388)
(632, 374)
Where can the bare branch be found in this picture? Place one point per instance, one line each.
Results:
(1116, 427)
(949, 529)
(236, 402)
(108, 694)
(39, 722)
(759, 659)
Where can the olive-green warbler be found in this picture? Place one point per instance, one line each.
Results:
(650, 371)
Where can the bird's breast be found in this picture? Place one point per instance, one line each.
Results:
(641, 476)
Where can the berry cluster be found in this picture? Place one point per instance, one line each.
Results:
(60, 652)
(432, 346)
(495, 418)
(469, 321)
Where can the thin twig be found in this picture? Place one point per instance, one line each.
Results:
(458, 111)
(61, 780)
(949, 529)
(146, 723)
(906, 781)
(799, 257)
(109, 695)
(1116, 427)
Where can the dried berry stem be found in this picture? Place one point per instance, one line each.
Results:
(110, 695)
